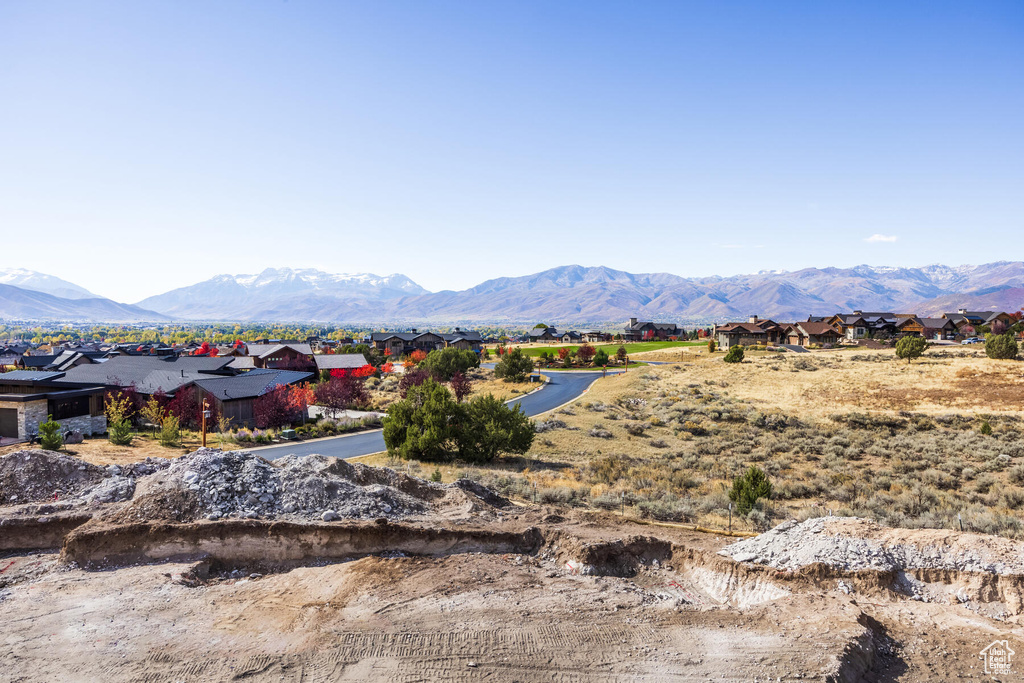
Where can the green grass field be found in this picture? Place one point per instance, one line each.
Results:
(610, 349)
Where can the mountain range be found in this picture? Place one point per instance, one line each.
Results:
(567, 294)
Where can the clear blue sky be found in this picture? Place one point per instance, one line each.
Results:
(148, 145)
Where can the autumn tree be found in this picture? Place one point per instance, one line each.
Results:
(341, 393)
(563, 355)
(585, 352)
(460, 385)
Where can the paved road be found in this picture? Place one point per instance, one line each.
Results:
(562, 387)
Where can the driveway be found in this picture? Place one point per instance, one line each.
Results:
(561, 388)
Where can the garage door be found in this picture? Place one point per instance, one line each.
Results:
(9, 422)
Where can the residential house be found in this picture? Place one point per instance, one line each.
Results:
(544, 334)
(643, 331)
(967, 322)
(282, 356)
(595, 336)
(467, 340)
(339, 361)
(27, 397)
(850, 325)
(929, 328)
(148, 374)
(399, 344)
(755, 331)
(234, 397)
(571, 338)
(811, 333)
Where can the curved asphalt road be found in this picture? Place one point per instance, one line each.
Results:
(561, 388)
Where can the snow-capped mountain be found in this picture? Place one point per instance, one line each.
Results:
(41, 282)
(277, 292)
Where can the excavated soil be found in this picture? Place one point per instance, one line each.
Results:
(181, 583)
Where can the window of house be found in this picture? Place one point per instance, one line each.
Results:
(63, 408)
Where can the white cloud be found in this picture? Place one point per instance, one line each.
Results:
(881, 238)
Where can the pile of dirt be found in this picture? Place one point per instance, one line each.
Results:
(34, 476)
(215, 484)
(852, 543)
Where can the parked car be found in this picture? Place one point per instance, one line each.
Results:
(971, 340)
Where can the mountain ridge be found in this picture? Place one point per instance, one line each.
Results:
(574, 293)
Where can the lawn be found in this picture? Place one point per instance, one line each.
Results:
(610, 349)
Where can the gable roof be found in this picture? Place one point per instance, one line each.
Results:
(339, 361)
(148, 373)
(249, 384)
(817, 328)
(266, 350)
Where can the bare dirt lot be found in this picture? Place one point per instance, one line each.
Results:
(463, 585)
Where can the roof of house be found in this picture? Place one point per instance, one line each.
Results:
(468, 335)
(148, 373)
(37, 361)
(241, 362)
(249, 384)
(404, 336)
(267, 350)
(658, 326)
(339, 361)
(817, 328)
(544, 331)
(747, 328)
(29, 376)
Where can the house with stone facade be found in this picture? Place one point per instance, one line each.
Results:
(28, 397)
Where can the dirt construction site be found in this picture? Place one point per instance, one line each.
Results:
(223, 566)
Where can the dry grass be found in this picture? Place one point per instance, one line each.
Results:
(384, 392)
(99, 451)
(857, 432)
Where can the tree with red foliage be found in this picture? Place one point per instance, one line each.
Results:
(276, 408)
(342, 393)
(585, 352)
(563, 355)
(417, 356)
(461, 386)
(187, 406)
(648, 335)
(203, 349)
(135, 400)
(388, 367)
(412, 378)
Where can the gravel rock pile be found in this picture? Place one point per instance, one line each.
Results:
(35, 476)
(243, 485)
(850, 543)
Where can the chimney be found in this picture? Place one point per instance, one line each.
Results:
(753, 318)
(414, 330)
(632, 322)
(858, 312)
(962, 311)
(456, 329)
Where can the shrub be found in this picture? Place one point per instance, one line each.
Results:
(444, 363)
(436, 475)
(170, 432)
(910, 347)
(734, 355)
(1001, 346)
(491, 428)
(748, 488)
(601, 358)
(712, 346)
(461, 386)
(514, 367)
(50, 437)
(636, 428)
(986, 428)
(423, 425)
(118, 409)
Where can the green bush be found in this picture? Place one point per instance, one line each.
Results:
(170, 432)
(1001, 346)
(747, 489)
(910, 348)
(436, 475)
(986, 428)
(423, 425)
(429, 424)
(601, 359)
(492, 428)
(514, 367)
(50, 436)
(443, 363)
(734, 355)
(120, 432)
